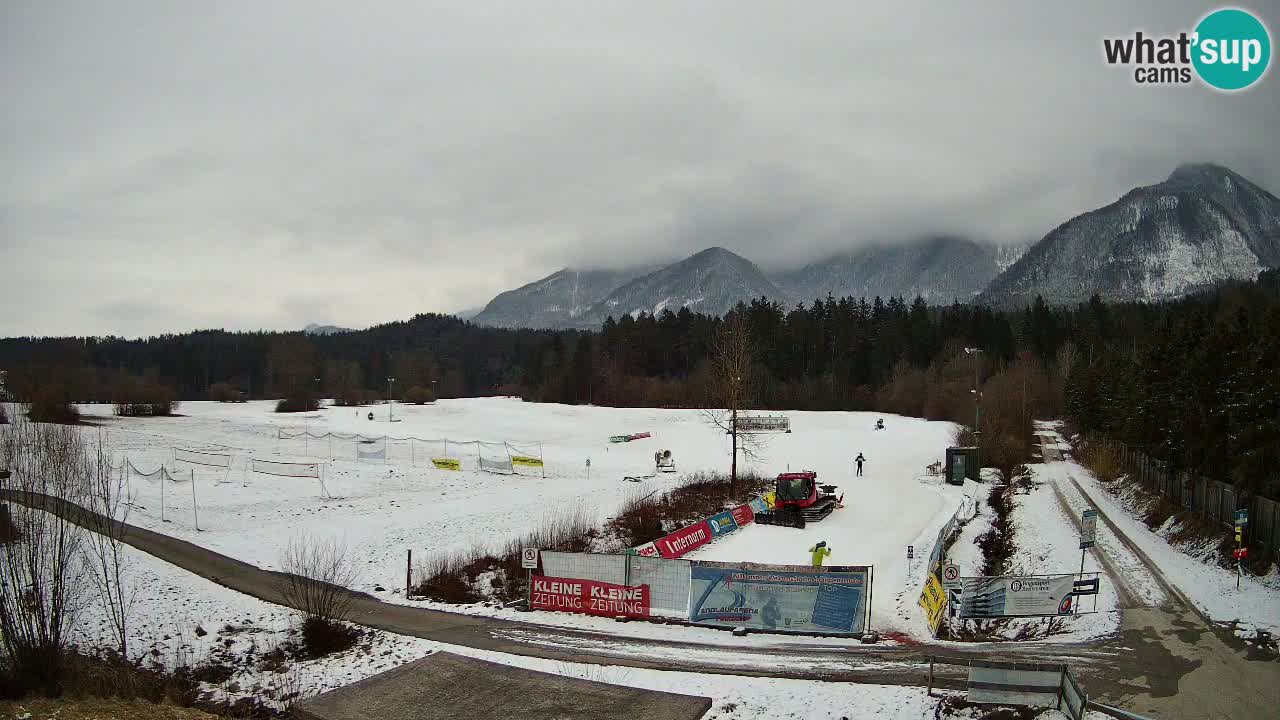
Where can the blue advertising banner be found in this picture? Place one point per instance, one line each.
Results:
(722, 524)
(758, 505)
(780, 598)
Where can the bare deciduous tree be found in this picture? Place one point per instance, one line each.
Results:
(42, 573)
(731, 387)
(104, 549)
(319, 575)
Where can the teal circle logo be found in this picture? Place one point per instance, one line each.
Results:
(1232, 49)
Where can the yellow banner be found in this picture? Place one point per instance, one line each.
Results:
(447, 463)
(526, 460)
(934, 601)
(769, 499)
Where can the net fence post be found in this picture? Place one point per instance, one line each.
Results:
(408, 573)
(162, 474)
(542, 460)
(195, 507)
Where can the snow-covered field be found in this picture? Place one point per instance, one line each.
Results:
(381, 510)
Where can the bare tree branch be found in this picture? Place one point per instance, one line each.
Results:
(42, 572)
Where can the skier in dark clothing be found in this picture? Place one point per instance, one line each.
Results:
(859, 460)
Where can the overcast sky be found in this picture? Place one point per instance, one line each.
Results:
(173, 165)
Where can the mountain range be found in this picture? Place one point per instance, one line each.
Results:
(1203, 225)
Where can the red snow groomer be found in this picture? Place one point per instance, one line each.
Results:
(799, 499)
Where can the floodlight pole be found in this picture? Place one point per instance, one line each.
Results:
(977, 410)
(391, 403)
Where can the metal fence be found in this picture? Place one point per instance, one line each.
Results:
(1213, 500)
(1032, 684)
(668, 580)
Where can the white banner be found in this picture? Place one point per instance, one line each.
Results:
(197, 457)
(1016, 596)
(303, 470)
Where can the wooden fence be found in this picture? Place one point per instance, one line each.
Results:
(1214, 501)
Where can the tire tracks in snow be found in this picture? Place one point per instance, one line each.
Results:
(1107, 557)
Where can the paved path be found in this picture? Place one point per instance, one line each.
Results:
(444, 686)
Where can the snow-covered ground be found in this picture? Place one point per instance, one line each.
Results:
(381, 510)
(1212, 588)
(181, 617)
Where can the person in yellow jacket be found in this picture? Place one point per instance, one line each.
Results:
(820, 551)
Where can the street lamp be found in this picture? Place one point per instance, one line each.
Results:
(391, 401)
(977, 408)
(434, 396)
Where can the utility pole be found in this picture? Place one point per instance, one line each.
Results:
(391, 402)
(977, 406)
(733, 425)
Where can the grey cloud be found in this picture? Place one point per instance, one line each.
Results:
(173, 165)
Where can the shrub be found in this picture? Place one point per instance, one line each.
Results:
(52, 404)
(419, 395)
(141, 398)
(642, 519)
(478, 573)
(225, 392)
(298, 403)
(318, 577)
(997, 543)
(1102, 459)
(322, 637)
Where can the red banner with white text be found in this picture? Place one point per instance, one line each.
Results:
(685, 540)
(590, 597)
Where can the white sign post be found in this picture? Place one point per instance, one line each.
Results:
(528, 561)
(1088, 535)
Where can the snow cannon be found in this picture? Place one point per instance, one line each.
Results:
(664, 462)
(799, 499)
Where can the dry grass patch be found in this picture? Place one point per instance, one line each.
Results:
(97, 709)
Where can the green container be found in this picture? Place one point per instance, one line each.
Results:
(962, 462)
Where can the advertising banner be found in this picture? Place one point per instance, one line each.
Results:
(721, 524)
(779, 598)
(447, 463)
(646, 550)
(590, 597)
(760, 423)
(758, 505)
(743, 515)
(934, 601)
(1016, 596)
(526, 460)
(769, 498)
(684, 540)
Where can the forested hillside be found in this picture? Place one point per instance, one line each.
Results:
(1195, 382)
